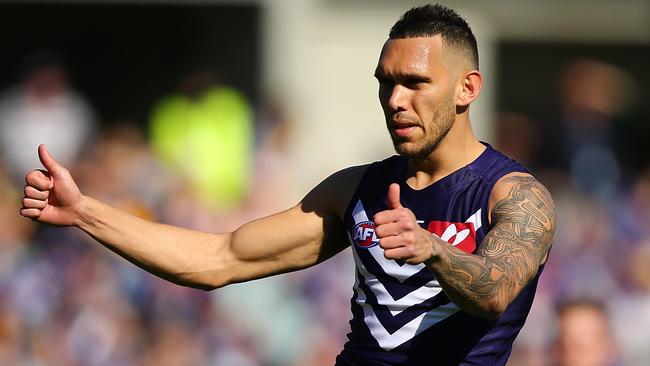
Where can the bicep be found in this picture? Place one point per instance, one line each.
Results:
(284, 242)
(299, 237)
(523, 218)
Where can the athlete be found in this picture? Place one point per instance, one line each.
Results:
(449, 237)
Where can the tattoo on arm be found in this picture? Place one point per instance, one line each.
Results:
(510, 254)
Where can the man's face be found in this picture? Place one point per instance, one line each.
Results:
(416, 92)
(584, 338)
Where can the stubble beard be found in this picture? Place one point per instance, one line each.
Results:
(441, 124)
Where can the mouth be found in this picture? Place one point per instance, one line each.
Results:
(402, 129)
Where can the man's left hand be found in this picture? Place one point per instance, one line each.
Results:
(399, 234)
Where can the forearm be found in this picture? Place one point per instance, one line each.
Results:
(480, 285)
(182, 256)
(473, 283)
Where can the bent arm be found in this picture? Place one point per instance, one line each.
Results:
(485, 283)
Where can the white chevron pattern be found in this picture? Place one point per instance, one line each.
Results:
(387, 340)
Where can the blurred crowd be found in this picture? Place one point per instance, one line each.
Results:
(599, 266)
(65, 300)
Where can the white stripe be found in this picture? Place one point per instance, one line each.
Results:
(389, 341)
(409, 330)
(476, 220)
(417, 296)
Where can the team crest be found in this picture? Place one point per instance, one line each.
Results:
(459, 234)
(363, 235)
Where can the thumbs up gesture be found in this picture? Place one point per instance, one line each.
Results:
(399, 233)
(51, 196)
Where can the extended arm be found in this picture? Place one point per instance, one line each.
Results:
(279, 243)
(297, 238)
(485, 283)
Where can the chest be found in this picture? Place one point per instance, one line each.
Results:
(458, 216)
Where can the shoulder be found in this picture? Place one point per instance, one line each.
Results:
(522, 211)
(493, 165)
(334, 192)
(519, 192)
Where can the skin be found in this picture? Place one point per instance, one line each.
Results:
(425, 91)
(584, 337)
(299, 237)
(417, 76)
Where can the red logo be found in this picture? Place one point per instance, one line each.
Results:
(364, 235)
(459, 234)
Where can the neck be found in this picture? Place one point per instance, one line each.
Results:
(459, 148)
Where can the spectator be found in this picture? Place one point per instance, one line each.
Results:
(584, 335)
(594, 94)
(43, 108)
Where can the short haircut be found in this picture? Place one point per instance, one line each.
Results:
(432, 20)
(565, 305)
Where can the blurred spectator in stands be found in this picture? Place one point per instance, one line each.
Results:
(14, 251)
(584, 336)
(631, 308)
(205, 133)
(584, 259)
(522, 138)
(115, 167)
(594, 94)
(43, 108)
(272, 174)
(14, 233)
(636, 217)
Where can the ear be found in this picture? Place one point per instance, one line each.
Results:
(469, 88)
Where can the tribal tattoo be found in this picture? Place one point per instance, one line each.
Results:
(509, 256)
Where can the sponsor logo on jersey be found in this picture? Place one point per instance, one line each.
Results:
(459, 234)
(364, 235)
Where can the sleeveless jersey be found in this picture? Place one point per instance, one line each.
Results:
(400, 315)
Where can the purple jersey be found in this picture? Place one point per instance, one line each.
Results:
(401, 316)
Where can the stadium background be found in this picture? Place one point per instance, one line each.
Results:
(565, 92)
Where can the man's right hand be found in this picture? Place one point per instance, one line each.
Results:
(51, 195)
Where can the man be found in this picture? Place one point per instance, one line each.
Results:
(425, 292)
(583, 335)
(43, 108)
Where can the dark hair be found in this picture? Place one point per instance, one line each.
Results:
(432, 20)
(41, 58)
(564, 305)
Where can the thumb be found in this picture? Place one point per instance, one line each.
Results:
(393, 196)
(48, 162)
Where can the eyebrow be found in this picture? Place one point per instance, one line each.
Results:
(380, 74)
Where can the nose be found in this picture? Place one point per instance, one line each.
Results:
(398, 99)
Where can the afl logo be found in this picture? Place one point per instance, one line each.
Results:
(364, 235)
